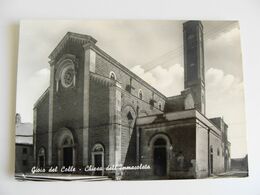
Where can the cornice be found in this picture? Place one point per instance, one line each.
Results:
(82, 39)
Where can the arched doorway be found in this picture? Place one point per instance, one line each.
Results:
(66, 148)
(160, 157)
(41, 158)
(161, 154)
(98, 158)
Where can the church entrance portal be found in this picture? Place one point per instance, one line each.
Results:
(67, 156)
(160, 157)
(41, 162)
(98, 159)
(66, 148)
(41, 158)
(98, 163)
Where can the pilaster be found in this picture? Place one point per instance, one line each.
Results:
(50, 129)
(89, 66)
(115, 124)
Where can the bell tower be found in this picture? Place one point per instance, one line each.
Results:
(194, 72)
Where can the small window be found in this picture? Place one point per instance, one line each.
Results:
(112, 75)
(140, 94)
(24, 162)
(24, 150)
(152, 102)
(218, 152)
(160, 106)
(130, 117)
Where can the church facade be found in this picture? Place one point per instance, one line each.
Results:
(97, 112)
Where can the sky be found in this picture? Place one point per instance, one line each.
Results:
(153, 50)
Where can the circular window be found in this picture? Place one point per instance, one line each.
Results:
(67, 76)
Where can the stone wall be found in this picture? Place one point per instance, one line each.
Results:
(218, 157)
(202, 154)
(182, 138)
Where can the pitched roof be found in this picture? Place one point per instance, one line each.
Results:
(24, 133)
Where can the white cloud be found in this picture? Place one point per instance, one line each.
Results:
(168, 81)
(224, 97)
(224, 52)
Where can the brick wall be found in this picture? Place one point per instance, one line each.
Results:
(104, 67)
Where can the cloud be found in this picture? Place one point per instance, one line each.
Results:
(168, 81)
(224, 52)
(224, 97)
(224, 88)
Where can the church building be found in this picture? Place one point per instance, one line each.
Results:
(97, 112)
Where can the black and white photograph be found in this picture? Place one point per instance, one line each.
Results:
(111, 100)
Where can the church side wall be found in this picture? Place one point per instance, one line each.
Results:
(104, 67)
(128, 142)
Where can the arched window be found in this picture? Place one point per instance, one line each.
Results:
(112, 75)
(140, 94)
